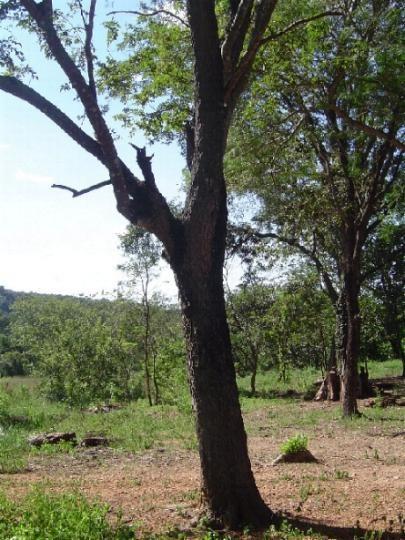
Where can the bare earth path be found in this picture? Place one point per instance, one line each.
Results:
(360, 480)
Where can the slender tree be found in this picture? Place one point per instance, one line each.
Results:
(142, 252)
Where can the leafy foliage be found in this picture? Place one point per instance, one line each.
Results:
(295, 444)
(160, 343)
(155, 90)
(82, 354)
(284, 326)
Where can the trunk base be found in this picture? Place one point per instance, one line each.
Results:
(244, 513)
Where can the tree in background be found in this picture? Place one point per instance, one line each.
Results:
(385, 278)
(320, 145)
(282, 326)
(248, 307)
(80, 350)
(142, 252)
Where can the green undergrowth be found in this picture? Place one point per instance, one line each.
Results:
(137, 427)
(295, 444)
(70, 516)
(44, 516)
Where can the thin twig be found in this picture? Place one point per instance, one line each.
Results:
(152, 14)
(296, 24)
(77, 193)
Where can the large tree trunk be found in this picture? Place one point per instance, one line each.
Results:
(349, 358)
(228, 486)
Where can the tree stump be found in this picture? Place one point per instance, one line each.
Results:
(330, 387)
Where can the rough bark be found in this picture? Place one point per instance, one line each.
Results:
(228, 487)
(349, 373)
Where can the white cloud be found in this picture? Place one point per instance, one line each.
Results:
(4, 147)
(33, 177)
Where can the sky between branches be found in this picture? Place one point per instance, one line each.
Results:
(49, 242)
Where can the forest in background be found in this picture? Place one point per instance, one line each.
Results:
(90, 350)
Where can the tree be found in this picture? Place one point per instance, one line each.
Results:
(247, 310)
(80, 347)
(385, 278)
(143, 253)
(320, 145)
(224, 45)
(281, 326)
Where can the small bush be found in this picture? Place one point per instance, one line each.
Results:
(295, 444)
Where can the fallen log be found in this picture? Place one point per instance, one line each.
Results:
(52, 438)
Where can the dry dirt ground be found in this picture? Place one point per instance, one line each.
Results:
(359, 480)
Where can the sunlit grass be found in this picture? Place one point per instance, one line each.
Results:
(137, 426)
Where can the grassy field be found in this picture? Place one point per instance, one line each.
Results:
(138, 428)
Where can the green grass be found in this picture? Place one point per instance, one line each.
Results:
(133, 428)
(70, 516)
(388, 368)
(269, 384)
(43, 516)
(300, 381)
(137, 427)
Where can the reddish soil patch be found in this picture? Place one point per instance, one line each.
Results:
(359, 480)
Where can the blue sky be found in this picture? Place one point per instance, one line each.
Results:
(50, 242)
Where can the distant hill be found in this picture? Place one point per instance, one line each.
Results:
(7, 297)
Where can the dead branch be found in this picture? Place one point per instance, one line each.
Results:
(145, 164)
(77, 193)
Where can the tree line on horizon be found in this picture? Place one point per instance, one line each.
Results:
(87, 350)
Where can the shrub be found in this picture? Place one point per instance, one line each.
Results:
(295, 444)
